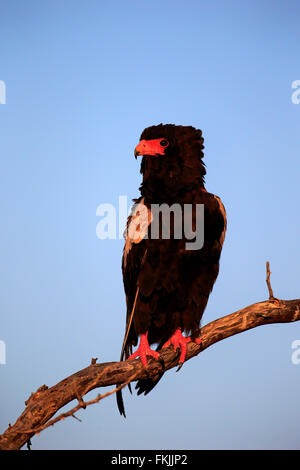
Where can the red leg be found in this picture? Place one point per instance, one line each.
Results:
(144, 350)
(180, 342)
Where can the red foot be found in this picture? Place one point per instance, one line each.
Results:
(144, 350)
(180, 341)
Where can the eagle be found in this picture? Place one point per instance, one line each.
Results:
(168, 274)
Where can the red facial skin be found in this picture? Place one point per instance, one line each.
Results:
(150, 147)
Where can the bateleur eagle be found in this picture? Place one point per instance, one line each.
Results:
(167, 281)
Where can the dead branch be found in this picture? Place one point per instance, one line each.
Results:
(81, 405)
(271, 295)
(45, 402)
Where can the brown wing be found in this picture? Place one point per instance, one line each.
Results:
(186, 279)
(166, 285)
(134, 255)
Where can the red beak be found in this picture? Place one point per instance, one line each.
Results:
(149, 147)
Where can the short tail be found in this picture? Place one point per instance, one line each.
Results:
(146, 385)
(120, 403)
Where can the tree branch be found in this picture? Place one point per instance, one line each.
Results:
(271, 295)
(45, 402)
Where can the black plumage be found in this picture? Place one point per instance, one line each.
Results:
(167, 286)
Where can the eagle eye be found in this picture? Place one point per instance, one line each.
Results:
(164, 143)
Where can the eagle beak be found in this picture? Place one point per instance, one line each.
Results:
(149, 147)
(140, 148)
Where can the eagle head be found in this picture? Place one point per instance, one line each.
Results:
(172, 160)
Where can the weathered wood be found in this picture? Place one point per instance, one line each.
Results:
(45, 402)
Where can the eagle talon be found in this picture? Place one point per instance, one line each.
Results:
(144, 350)
(179, 342)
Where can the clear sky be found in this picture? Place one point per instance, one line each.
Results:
(83, 79)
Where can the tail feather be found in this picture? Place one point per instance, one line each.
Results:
(126, 351)
(120, 403)
(146, 385)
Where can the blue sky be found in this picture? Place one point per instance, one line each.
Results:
(83, 80)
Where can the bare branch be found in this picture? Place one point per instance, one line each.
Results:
(45, 402)
(271, 296)
(81, 405)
